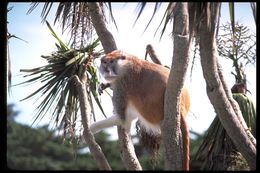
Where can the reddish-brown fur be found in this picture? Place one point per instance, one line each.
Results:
(146, 83)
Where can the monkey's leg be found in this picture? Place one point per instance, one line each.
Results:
(109, 122)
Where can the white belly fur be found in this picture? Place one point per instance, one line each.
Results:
(132, 113)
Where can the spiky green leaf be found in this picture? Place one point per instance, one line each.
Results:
(62, 45)
(57, 91)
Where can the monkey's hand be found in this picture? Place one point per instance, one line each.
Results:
(102, 86)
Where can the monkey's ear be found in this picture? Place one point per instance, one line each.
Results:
(115, 53)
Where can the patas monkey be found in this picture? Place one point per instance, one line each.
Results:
(138, 92)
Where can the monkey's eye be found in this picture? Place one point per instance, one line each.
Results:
(122, 57)
(111, 61)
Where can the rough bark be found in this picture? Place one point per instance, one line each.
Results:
(226, 110)
(85, 116)
(171, 124)
(128, 153)
(103, 33)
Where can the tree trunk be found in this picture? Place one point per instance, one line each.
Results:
(128, 153)
(106, 38)
(226, 110)
(171, 124)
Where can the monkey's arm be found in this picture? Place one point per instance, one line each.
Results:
(109, 122)
(102, 87)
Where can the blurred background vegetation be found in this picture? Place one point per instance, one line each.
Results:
(43, 149)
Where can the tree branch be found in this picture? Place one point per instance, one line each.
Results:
(85, 116)
(98, 21)
(235, 105)
(108, 43)
(171, 124)
(217, 94)
(128, 151)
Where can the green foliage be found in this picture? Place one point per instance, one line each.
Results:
(11, 113)
(43, 149)
(248, 110)
(195, 142)
(58, 90)
(217, 151)
(31, 149)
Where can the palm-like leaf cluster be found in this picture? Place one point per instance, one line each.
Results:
(75, 18)
(218, 146)
(58, 91)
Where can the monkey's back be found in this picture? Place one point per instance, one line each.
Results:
(149, 97)
(144, 87)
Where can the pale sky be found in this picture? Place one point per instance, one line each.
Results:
(129, 39)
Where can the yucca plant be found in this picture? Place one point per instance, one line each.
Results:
(58, 91)
(217, 151)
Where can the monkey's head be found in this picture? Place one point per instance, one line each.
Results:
(112, 65)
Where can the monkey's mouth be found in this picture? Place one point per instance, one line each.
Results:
(110, 78)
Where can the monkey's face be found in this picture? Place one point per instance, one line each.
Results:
(111, 65)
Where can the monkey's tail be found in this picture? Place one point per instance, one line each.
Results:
(150, 141)
(186, 143)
